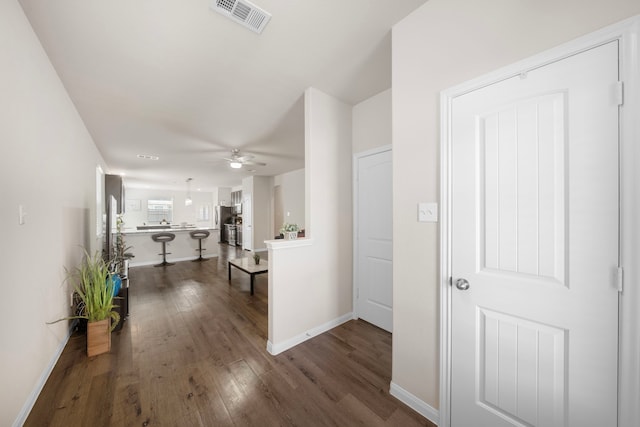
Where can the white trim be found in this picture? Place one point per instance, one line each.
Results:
(627, 32)
(629, 345)
(354, 179)
(445, 257)
(33, 396)
(278, 244)
(414, 403)
(275, 349)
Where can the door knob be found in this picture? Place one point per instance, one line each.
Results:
(462, 284)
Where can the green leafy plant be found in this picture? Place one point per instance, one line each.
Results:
(120, 249)
(289, 228)
(95, 288)
(256, 258)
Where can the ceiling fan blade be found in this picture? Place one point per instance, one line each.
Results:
(252, 163)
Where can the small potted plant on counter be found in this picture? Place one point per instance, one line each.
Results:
(95, 288)
(256, 258)
(289, 231)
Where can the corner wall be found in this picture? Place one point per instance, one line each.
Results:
(372, 122)
(441, 44)
(310, 279)
(48, 165)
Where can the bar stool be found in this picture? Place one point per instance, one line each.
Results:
(163, 238)
(199, 234)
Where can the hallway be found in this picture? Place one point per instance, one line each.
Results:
(193, 353)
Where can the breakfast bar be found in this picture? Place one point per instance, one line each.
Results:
(182, 248)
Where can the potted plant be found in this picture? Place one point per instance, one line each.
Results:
(256, 258)
(94, 287)
(289, 231)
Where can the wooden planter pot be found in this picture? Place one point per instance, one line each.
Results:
(98, 337)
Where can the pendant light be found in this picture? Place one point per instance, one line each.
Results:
(188, 201)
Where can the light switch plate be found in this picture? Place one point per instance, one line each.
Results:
(21, 215)
(427, 212)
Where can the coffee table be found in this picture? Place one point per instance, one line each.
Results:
(248, 266)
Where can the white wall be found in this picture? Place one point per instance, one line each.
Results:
(292, 192)
(47, 164)
(372, 122)
(443, 43)
(224, 196)
(310, 287)
(181, 213)
(262, 211)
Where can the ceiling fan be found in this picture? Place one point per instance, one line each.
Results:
(236, 161)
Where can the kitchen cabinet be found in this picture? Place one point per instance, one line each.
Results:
(236, 197)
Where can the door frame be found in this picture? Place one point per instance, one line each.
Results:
(356, 253)
(627, 33)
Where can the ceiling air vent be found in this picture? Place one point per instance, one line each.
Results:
(243, 12)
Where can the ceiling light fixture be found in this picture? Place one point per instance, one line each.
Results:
(235, 165)
(188, 201)
(147, 157)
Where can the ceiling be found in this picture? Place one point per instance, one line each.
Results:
(176, 80)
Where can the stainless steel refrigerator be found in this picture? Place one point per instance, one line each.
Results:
(224, 215)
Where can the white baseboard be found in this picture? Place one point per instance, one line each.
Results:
(414, 403)
(278, 348)
(172, 260)
(31, 400)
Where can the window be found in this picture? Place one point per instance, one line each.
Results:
(158, 210)
(204, 213)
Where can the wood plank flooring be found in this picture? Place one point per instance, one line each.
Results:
(193, 353)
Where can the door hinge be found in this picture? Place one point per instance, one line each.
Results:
(620, 279)
(619, 93)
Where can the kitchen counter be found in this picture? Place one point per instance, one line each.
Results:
(169, 228)
(182, 248)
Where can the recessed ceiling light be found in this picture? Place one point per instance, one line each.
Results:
(147, 157)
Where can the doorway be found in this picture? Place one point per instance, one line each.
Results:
(373, 243)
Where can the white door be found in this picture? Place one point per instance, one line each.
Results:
(535, 236)
(374, 240)
(247, 223)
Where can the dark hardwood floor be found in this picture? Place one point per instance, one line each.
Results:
(193, 353)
